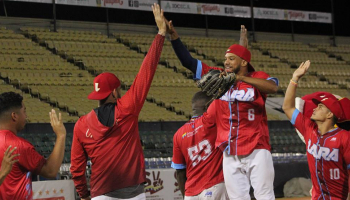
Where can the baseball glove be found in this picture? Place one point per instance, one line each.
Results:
(216, 83)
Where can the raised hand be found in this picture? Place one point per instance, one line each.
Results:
(169, 26)
(301, 71)
(243, 40)
(57, 124)
(8, 161)
(159, 18)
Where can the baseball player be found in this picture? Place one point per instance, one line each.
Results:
(195, 158)
(109, 134)
(328, 151)
(18, 183)
(241, 121)
(7, 163)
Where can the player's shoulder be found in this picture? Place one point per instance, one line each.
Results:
(81, 123)
(259, 74)
(345, 134)
(20, 142)
(183, 129)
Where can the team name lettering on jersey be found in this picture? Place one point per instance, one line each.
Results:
(323, 152)
(240, 95)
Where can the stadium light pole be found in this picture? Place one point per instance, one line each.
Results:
(252, 17)
(107, 19)
(54, 15)
(333, 23)
(3, 3)
(292, 25)
(206, 26)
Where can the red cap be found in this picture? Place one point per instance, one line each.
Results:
(241, 52)
(331, 102)
(104, 84)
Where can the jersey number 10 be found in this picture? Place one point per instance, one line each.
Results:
(195, 151)
(334, 173)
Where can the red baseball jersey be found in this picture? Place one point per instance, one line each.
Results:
(241, 116)
(194, 150)
(116, 152)
(328, 157)
(18, 183)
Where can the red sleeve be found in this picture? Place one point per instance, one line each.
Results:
(346, 150)
(78, 165)
(30, 159)
(346, 154)
(302, 123)
(261, 74)
(209, 117)
(179, 161)
(206, 68)
(135, 97)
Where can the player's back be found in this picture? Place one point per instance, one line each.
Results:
(115, 152)
(195, 142)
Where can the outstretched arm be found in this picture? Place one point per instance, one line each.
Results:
(53, 163)
(197, 67)
(180, 50)
(289, 99)
(136, 95)
(263, 85)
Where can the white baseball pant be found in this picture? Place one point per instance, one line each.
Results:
(255, 169)
(103, 197)
(216, 192)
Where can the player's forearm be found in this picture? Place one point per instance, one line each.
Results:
(54, 161)
(184, 55)
(79, 179)
(144, 78)
(2, 176)
(181, 180)
(289, 100)
(82, 189)
(263, 85)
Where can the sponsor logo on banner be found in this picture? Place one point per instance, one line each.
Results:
(289, 14)
(314, 16)
(177, 6)
(105, 2)
(267, 13)
(133, 3)
(154, 185)
(233, 11)
(209, 8)
(139, 4)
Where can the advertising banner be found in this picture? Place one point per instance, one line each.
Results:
(53, 190)
(162, 185)
(202, 9)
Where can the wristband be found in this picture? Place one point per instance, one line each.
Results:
(293, 82)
